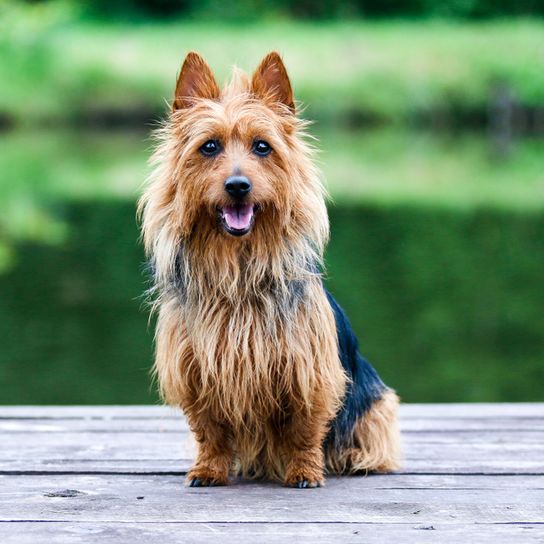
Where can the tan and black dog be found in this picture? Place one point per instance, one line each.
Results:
(249, 344)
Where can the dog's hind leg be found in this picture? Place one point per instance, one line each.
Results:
(374, 444)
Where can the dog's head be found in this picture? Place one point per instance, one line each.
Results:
(235, 157)
(233, 172)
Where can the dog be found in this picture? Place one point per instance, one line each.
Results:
(249, 343)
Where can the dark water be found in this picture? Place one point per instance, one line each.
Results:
(448, 304)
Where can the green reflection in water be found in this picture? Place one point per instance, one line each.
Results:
(447, 303)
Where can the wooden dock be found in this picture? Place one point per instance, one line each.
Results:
(472, 473)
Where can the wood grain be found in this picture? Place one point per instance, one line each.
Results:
(473, 473)
(273, 533)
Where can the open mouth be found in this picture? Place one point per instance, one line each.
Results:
(238, 218)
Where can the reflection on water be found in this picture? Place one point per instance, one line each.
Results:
(448, 304)
(444, 292)
(72, 325)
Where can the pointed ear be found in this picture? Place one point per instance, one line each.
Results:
(270, 81)
(195, 80)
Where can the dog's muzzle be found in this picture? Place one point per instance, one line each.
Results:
(237, 218)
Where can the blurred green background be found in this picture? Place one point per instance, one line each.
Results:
(430, 117)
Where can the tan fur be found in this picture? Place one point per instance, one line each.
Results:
(257, 373)
(375, 442)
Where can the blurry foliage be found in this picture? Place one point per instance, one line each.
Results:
(310, 9)
(425, 169)
(383, 167)
(40, 169)
(72, 325)
(447, 303)
(43, 78)
(57, 68)
(437, 248)
(386, 167)
(29, 67)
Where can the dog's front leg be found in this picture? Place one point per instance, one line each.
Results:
(214, 458)
(303, 442)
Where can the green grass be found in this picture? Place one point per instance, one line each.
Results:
(461, 171)
(54, 66)
(41, 170)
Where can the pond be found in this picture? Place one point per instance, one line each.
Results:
(437, 254)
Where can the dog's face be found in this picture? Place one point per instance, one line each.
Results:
(235, 148)
(234, 196)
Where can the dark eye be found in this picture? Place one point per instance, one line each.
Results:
(261, 148)
(210, 148)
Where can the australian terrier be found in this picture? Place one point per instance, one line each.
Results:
(249, 343)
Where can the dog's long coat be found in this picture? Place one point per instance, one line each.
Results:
(249, 344)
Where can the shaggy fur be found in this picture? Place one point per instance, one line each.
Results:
(248, 342)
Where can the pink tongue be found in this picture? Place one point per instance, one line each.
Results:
(238, 217)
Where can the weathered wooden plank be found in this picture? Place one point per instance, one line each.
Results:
(179, 424)
(81, 412)
(503, 409)
(348, 500)
(494, 452)
(49, 440)
(425, 411)
(272, 533)
(475, 424)
(449, 482)
(181, 466)
(431, 501)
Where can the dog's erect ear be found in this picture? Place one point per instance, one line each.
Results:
(195, 80)
(271, 82)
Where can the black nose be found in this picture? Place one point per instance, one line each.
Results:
(237, 186)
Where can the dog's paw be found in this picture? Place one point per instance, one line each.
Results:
(304, 479)
(200, 482)
(205, 478)
(305, 484)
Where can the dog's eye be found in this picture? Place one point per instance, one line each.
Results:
(261, 148)
(210, 148)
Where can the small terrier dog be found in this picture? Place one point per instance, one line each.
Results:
(249, 344)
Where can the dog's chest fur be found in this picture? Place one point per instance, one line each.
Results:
(249, 353)
(254, 353)
(246, 350)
